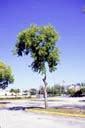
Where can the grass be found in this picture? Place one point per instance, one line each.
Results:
(60, 111)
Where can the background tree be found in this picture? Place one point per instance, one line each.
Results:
(41, 91)
(56, 90)
(40, 42)
(33, 91)
(6, 76)
(15, 91)
(49, 91)
(12, 91)
(71, 90)
(82, 86)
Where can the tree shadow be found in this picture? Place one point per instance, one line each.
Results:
(2, 102)
(22, 108)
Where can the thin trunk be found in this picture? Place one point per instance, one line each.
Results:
(45, 91)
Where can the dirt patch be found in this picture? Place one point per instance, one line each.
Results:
(2, 106)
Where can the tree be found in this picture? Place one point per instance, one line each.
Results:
(33, 91)
(49, 91)
(82, 86)
(15, 91)
(12, 91)
(40, 42)
(6, 76)
(71, 90)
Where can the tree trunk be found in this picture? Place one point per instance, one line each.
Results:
(45, 91)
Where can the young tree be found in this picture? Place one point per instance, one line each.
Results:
(6, 76)
(40, 42)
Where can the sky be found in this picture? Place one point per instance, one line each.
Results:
(69, 21)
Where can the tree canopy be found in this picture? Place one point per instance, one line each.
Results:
(6, 76)
(16, 91)
(40, 42)
(33, 91)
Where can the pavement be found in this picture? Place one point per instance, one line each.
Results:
(59, 103)
(14, 116)
(22, 119)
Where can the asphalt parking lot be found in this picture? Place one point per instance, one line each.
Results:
(59, 103)
(22, 119)
(13, 115)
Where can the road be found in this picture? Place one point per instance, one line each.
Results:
(22, 119)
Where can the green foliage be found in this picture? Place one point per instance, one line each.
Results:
(6, 76)
(16, 91)
(70, 92)
(33, 91)
(40, 42)
(12, 90)
(82, 86)
(55, 90)
(73, 92)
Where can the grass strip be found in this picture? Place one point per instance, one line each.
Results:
(60, 112)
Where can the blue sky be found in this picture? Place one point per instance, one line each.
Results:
(69, 21)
